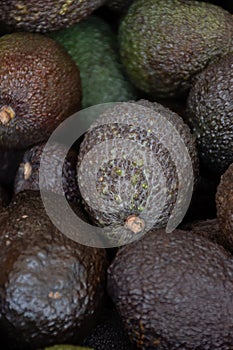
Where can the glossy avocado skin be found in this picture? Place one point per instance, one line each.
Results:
(45, 15)
(210, 114)
(93, 46)
(163, 45)
(51, 288)
(174, 291)
(41, 88)
(224, 204)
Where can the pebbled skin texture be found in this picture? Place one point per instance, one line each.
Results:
(110, 126)
(210, 114)
(33, 157)
(174, 291)
(93, 46)
(164, 44)
(40, 82)
(45, 15)
(224, 204)
(50, 287)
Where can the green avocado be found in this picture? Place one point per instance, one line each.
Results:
(45, 15)
(39, 87)
(164, 44)
(93, 46)
(174, 291)
(224, 204)
(209, 114)
(51, 287)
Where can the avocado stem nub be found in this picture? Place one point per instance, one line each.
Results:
(6, 114)
(135, 224)
(27, 170)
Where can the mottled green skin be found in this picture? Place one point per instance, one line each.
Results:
(210, 114)
(164, 44)
(45, 15)
(50, 286)
(224, 204)
(93, 47)
(174, 292)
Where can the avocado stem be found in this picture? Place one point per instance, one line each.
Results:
(6, 114)
(135, 224)
(27, 170)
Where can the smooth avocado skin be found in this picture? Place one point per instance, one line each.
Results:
(93, 46)
(224, 204)
(39, 87)
(174, 291)
(45, 15)
(51, 288)
(209, 114)
(164, 44)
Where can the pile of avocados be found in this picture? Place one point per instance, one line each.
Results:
(123, 238)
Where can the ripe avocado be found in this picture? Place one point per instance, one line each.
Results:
(164, 44)
(45, 15)
(51, 287)
(93, 46)
(126, 179)
(27, 177)
(39, 88)
(224, 204)
(174, 291)
(210, 114)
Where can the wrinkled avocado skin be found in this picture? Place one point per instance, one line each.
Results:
(174, 291)
(51, 288)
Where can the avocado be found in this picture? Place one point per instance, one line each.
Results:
(109, 333)
(93, 46)
(131, 163)
(210, 114)
(45, 15)
(164, 44)
(174, 291)
(39, 88)
(51, 287)
(27, 176)
(224, 204)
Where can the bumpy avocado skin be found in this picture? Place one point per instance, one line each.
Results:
(120, 182)
(210, 114)
(45, 15)
(93, 47)
(109, 333)
(41, 85)
(174, 291)
(27, 176)
(224, 204)
(51, 287)
(163, 45)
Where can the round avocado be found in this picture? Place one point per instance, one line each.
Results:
(39, 88)
(51, 287)
(134, 165)
(45, 15)
(174, 291)
(164, 44)
(224, 204)
(209, 114)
